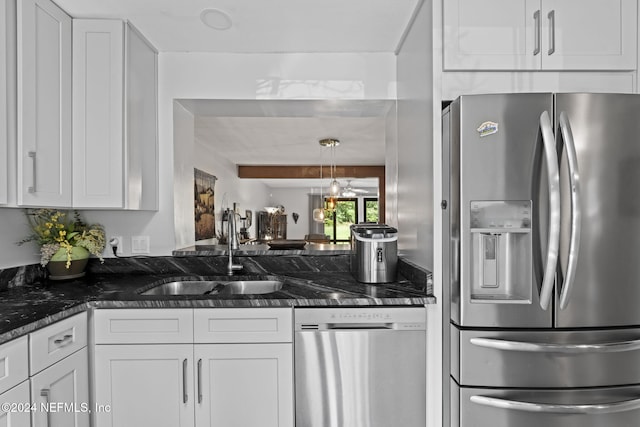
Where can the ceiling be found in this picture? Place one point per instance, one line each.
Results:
(260, 26)
(287, 132)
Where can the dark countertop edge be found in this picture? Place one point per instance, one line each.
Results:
(267, 252)
(213, 303)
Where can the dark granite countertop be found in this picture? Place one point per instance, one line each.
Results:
(26, 308)
(263, 249)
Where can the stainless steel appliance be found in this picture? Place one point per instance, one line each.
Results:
(271, 226)
(374, 253)
(360, 367)
(542, 255)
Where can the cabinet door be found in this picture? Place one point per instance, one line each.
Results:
(491, 34)
(589, 34)
(98, 137)
(4, 144)
(144, 385)
(44, 104)
(63, 388)
(19, 396)
(248, 385)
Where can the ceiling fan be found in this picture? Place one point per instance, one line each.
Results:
(349, 191)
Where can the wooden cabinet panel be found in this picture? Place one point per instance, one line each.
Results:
(18, 396)
(496, 34)
(64, 388)
(14, 363)
(115, 116)
(234, 377)
(145, 385)
(57, 341)
(98, 90)
(143, 326)
(589, 34)
(540, 34)
(235, 325)
(44, 104)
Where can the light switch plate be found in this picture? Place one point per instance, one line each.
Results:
(140, 245)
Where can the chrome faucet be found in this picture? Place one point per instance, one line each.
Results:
(232, 242)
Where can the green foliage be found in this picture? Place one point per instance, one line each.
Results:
(371, 211)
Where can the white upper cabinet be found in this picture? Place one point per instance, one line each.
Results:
(4, 137)
(44, 104)
(98, 90)
(114, 117)
(141, 127)
(540, 34)
(590, 34)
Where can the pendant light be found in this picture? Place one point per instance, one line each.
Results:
(334, 186)
(318, 213)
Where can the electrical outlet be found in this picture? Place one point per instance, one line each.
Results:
(116, 241)
(140, 245)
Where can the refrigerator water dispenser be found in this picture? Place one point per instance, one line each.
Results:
(502, 252)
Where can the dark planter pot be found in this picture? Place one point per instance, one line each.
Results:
(58, 269)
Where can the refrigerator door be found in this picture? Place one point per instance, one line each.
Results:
(606, 283)
(495, 156)
(614, 407)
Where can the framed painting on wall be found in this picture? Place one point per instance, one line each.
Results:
(204, 208)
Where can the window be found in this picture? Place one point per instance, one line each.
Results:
(337, 221)
(371, 210)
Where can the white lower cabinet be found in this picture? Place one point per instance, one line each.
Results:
(60, 393)
(213, 381)
(244, 385)
(17, 415)
(144, 385)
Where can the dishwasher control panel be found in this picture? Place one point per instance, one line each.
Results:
(396, 318)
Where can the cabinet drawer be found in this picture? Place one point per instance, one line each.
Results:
(236, 325)
(55, 342)
(144, 326)
(14, 363)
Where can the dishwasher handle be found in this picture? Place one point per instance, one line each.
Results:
(333, 326)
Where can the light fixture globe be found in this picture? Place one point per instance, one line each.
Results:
(318, 215)
(334, 188)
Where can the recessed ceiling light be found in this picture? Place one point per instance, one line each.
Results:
(216, 19)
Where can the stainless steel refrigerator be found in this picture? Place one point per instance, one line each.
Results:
(541, 248)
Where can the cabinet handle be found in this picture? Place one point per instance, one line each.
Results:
(199, 380)
(552, 32)
(45, 392)
(185, 396)
(536, 23)
(32, 187)
(63, 340)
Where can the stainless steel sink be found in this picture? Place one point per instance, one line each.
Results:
(215, 287)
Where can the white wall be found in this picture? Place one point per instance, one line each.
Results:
(415, 143)
(418, 180)
(220, 76)
(189, 154)
(293, 200)
(391, 168)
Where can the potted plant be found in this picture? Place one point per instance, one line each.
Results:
(65, 240)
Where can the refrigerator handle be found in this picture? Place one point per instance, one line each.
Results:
(590, 408)
(551, 157)
(576, 214)
(534, 347)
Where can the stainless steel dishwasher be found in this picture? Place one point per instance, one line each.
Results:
(360, 367)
